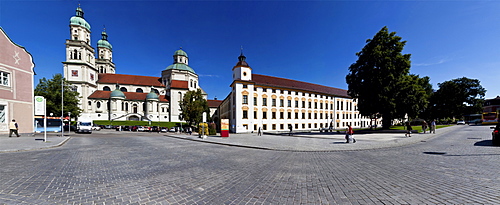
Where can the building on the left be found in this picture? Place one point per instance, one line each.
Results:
(16, 85)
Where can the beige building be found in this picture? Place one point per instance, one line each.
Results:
(16, 86)
(277, 104)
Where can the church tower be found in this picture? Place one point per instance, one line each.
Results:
(242, 71)
(79, 67)
(104, 60)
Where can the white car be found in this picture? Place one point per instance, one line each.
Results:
(97, 128)
(461, 122)
(140, 129)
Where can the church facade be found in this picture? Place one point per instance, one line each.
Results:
(106, 95)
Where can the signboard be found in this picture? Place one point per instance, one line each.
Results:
(224, 127)
(39, 105)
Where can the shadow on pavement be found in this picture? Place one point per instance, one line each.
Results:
(488, 143)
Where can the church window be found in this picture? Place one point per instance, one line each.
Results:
(90, 103)
(106, 88)
(123, 89)
(195, 84)
(123, 106)
(138, 90)
(75, 54)
(98, 104)
(191, 83)
(134, 108)
(126, 106)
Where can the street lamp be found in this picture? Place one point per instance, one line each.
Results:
(69, 122)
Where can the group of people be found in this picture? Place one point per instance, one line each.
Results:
(424, 128)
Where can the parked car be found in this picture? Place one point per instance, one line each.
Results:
(134, 128)
(460, 122)
(69, 128)
(495, 135)
(164, 129)
(140, 129)
(172, 129)
(96, 127)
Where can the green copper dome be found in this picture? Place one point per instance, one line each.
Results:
(78, 20)
(117, 94)
(152, 96)
(180, 66)
(180, 52)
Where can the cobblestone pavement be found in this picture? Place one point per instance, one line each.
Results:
(457, 167)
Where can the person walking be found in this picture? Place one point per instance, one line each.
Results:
(433, 127)
(259, 133)
(13, 128)
(424, 126)
(408, 129)
(349, 135)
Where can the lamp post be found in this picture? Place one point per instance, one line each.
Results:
(62, 107)
(69, 122)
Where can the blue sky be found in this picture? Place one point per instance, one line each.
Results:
(311, 41)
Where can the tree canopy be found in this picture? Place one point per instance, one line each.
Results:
(51, 90)
(192, 107)
(457, 97)
(380, 80)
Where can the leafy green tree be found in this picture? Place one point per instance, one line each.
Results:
(413, 96)
(51, 90)
(458, 97)
(379, 78)
(192, 107)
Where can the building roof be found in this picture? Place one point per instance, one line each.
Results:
(179, 84)
(180, 66)
(214, 103)
(129, 79)
(271, 81)
(99, 94)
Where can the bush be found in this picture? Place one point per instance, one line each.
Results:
(212, 129)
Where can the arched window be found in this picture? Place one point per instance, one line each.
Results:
(90, 103)
(123, 89)
(126, 106)
(138, 90)
(192, 83)
(98, 104)
(106, 88)
(134, 108)
(75, 54)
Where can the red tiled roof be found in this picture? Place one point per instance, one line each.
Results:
(214, 103)
(179, 84)
(129, 79)
(99, 94)
(298, 85)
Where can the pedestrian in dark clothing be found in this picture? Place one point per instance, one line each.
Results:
(260, 132)
(408, 129)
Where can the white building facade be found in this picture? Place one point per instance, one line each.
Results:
(277, 104)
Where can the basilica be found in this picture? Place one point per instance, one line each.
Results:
(106, 95)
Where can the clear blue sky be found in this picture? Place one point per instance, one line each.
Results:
(311, 41)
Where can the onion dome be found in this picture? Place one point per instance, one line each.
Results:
(180, 66)
(180, 52)
(104, 41)
(78, 20)
(117, 93)
(152, 96)
(241, 60)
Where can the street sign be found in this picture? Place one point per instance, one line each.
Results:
(39, 105)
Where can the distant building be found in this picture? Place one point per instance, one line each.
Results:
(16, 86)
(106, 95)
(276, 104)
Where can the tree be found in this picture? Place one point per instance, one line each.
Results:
(192, 107)
(379, 78)
(458, 97)
(51, 90)
(413, 97)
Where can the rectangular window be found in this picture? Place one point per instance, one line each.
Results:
(245, 86)
(255, 101)
(264, 89)
(289, 115)
(310, 104)
(303, 104)
(264, 115)
(281, 102)
(309, 125)
(315, 105)
(245, 99)
(309, 116)
(254, 114)
(296, 126)
(273, 115)
(296, 103)
(320, 115)
(264, 101)
(289, 103)
(274, 90)
(245, 114)
(264, 127)
(273, 102)
(315, 115)
(4, 78)
(255, 127)
(320, 105)
(303, 115)
(282, 126)
(281, 115)
(274, 126)
(303, 126)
